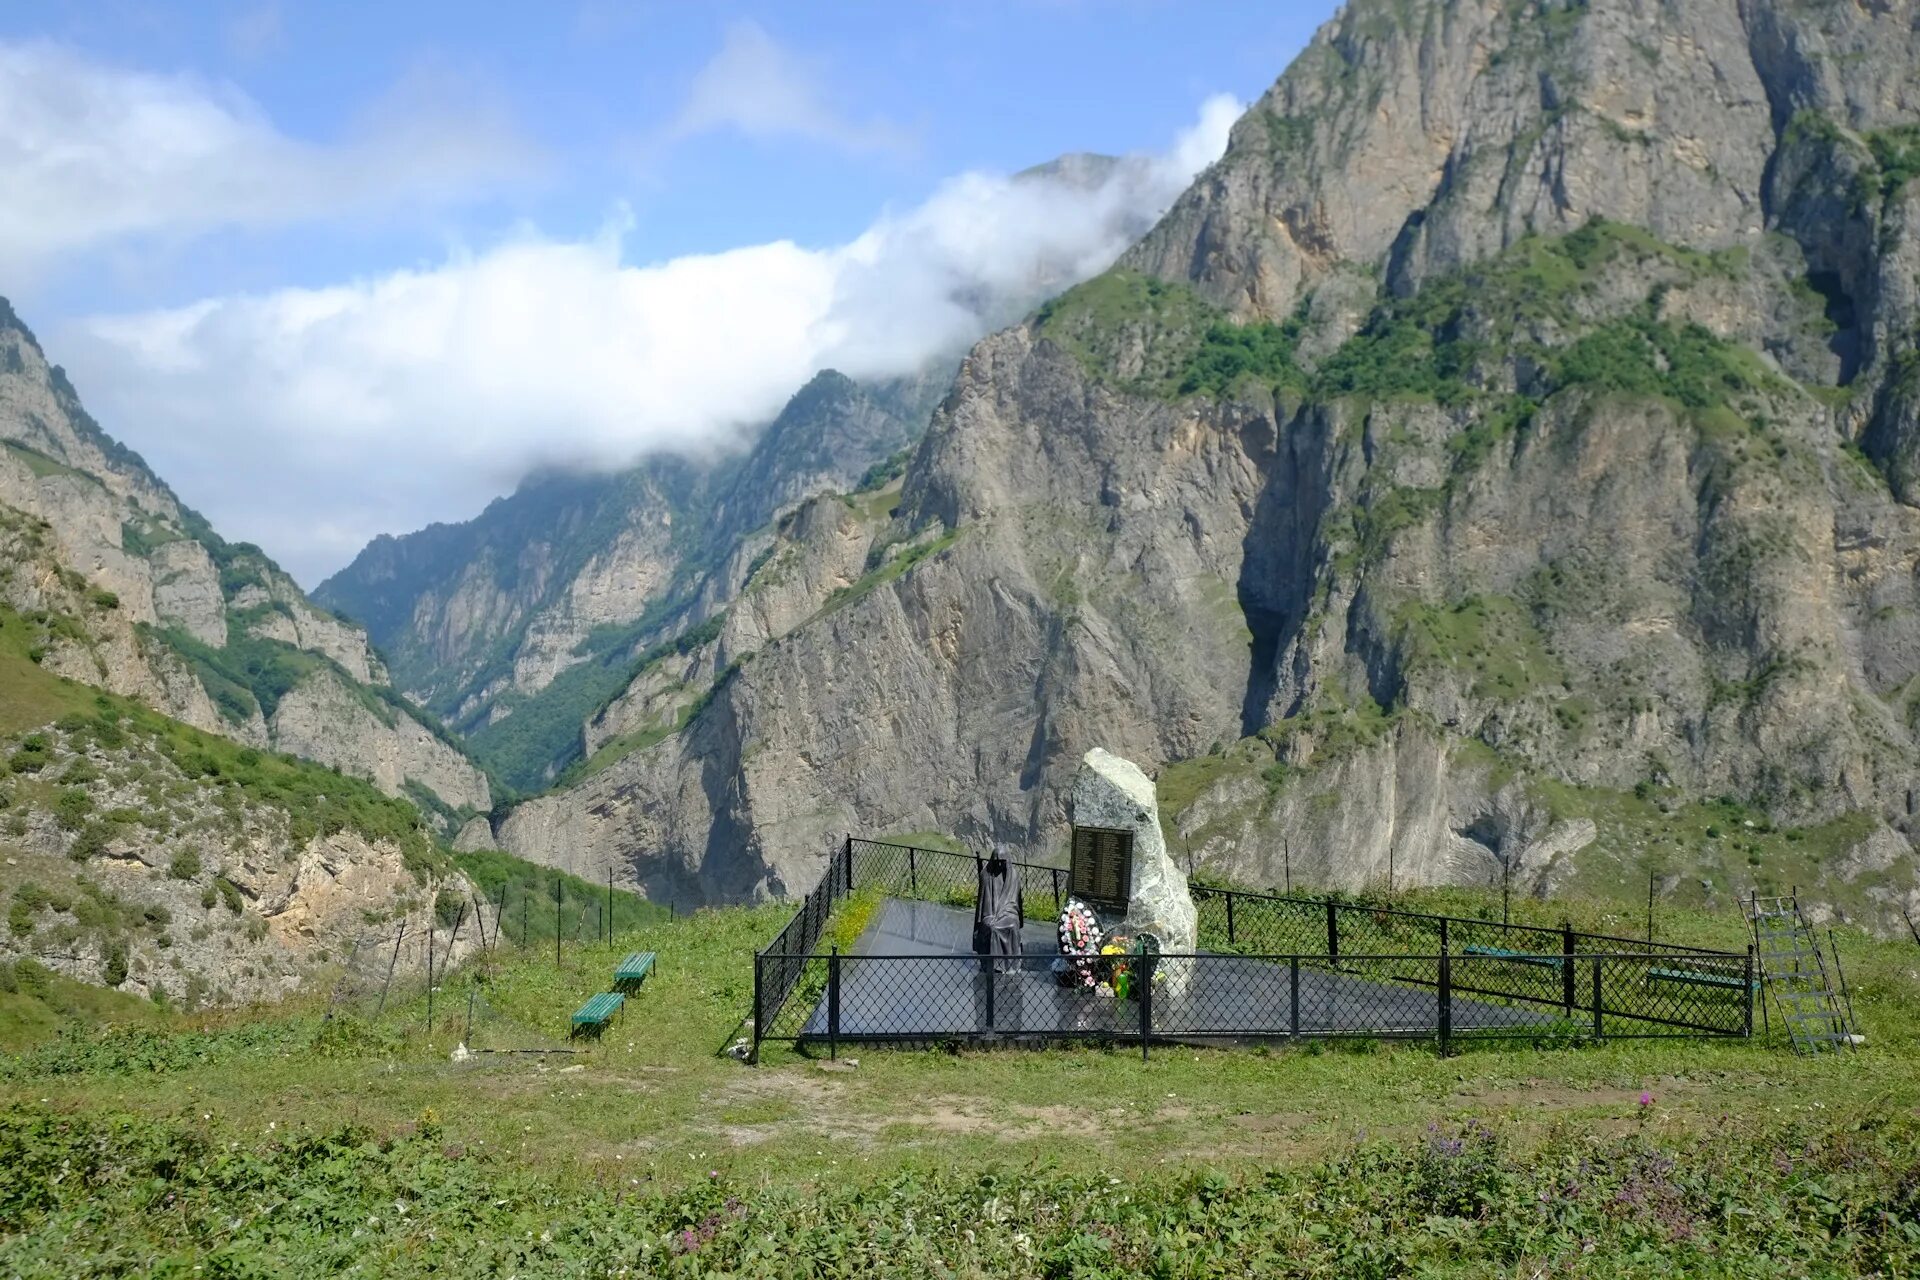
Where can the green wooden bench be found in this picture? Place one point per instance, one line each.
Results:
(1519, 957)
(1695, 978)
(591, 1018)
(633, 971)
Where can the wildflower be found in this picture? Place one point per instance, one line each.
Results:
(1646, 1099)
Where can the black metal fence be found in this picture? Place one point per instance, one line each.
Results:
(1274, 967)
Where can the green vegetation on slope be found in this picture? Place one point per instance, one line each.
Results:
(30, 697)
(540, 743)
(280, 1143)
(317, 800)
(524, 894)
(1459, 1201)
(1433, 345)
(541, 734)
(1492, 640)
(35, 1003)
(1897, 153)
(249, 675)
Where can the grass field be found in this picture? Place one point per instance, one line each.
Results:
(271, 1143)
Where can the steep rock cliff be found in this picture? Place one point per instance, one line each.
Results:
(1498, 464)
(520, 624)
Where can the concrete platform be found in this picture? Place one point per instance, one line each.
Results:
(913, 976)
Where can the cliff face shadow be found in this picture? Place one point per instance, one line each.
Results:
(1278, 557)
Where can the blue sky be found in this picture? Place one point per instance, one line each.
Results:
(263, 234)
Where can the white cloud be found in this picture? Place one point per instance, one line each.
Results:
(92, 153)
(311, 419)
(761, 90)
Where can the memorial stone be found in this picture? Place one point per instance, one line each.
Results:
(1115, 810)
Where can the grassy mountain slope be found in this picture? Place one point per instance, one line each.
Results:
(1629, 1158)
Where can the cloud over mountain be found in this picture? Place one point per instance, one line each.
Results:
(418, 394)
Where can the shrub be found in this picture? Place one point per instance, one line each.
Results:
(31, 756)
(90, 842)
(114, 971)
(185, 866)
(71, 807)
(32, 977)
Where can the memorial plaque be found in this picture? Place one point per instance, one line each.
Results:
(1102, 869)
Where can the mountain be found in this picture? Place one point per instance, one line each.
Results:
(518, 627)
(164, 698)
(519, 624)
(1501, 463)
(210, 632)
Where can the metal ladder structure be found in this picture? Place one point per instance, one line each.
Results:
(1794, 971)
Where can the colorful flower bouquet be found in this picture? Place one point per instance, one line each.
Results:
(1080, 944)
(1110, 964)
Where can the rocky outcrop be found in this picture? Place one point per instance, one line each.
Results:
(273, 608)
(215, 894)
(578, 571)
(821, 549)
(328, 720)
(1493, 467)
(186, 591)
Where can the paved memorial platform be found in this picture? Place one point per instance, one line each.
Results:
(913, 975)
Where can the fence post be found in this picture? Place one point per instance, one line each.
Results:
(1230, 897)
(1566, 968)
(992, 982)
(833, 1003)
(1293, 994)
(1599, 1029)
(1056, 890)
(913, 872)
(468, 1037)
(1333, 932)
(609, 904)
(556, 920)
(849, 862)
(432, 910)
(397, 939)
(1747, 1030)
(1146, 1001)
(759, 962)
(1446, 999)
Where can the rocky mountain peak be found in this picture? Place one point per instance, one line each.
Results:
(1501, 462)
